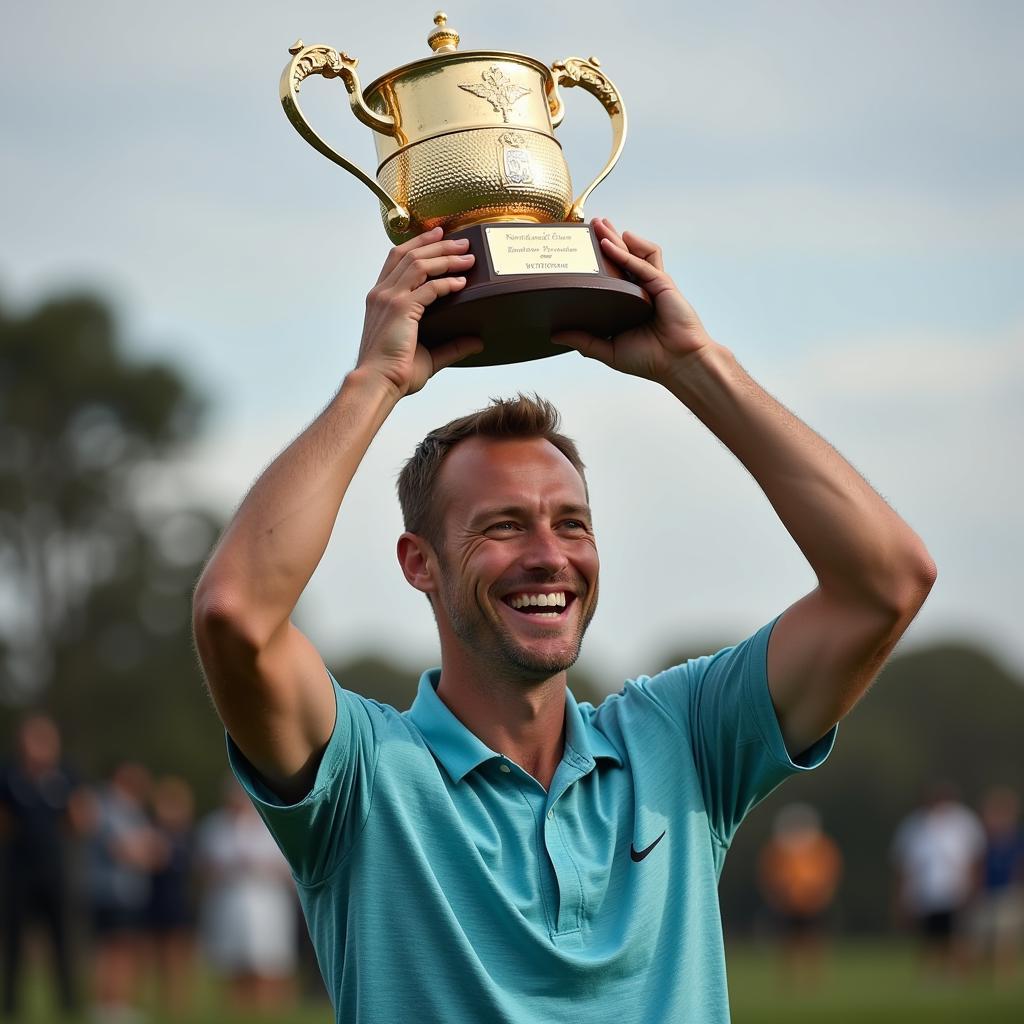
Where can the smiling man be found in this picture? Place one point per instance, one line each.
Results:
(499, 852)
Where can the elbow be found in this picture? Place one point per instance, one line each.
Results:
(907, 590)
(919, 578)
(223, 625)
(893, 593)
(928, 573)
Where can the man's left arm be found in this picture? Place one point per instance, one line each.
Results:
(873, 571)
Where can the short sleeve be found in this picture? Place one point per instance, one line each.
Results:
(723, 705)
(316, 833)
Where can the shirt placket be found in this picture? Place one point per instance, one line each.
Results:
(569, 916)
(560, 880)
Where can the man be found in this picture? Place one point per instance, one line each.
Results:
(500, 853)
(122, 851)
(935, 851)
(40, 808)
(799, 869)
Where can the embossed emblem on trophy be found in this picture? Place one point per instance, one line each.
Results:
(465, 141)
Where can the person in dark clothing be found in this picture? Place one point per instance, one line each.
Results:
(122, 852)
(170, 919)
(37, 810)
(999, 904)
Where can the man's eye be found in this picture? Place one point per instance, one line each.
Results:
(506, 527)
(574, 524)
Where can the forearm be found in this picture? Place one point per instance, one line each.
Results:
(280, 532)
(873, 571)
(858, 547)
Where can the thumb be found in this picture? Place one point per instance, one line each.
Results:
(454, 350)
(588, 345)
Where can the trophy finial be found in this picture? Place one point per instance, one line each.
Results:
(443, 39)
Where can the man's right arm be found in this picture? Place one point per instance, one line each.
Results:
(267, 680)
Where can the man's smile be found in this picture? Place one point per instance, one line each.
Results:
(541, 604)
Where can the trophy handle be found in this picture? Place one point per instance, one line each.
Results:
(323, 60)
(574, 71)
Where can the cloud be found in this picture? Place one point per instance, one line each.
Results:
(839, 218)
(965, 370)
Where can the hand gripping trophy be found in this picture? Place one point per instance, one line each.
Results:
(465, 141)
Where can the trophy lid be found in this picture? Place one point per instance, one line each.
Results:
(443, 39)
(444, 44)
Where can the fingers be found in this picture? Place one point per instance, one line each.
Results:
(605, 229)
(413, 273)
(421, 267)
(644, 249)
(435, 288)
(646, 273)
(631, 242)
(429, 244)
(399, 251)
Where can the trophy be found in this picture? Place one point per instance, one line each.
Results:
(465, 141)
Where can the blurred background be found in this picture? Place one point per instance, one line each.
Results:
(838, 189)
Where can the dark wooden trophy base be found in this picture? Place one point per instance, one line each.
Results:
(515, 313)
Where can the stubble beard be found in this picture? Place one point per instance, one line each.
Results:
(491, 640)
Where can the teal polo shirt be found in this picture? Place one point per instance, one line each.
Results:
(443, 885)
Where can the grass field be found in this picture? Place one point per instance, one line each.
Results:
(861, 984)
(867, 984)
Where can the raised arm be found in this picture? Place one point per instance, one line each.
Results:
(873, 571)
(268, 682)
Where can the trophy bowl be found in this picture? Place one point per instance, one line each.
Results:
(465, 141)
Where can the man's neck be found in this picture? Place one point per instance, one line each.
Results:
(520, 718)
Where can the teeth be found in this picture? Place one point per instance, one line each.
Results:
(539, 601)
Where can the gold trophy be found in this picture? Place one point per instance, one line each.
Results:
(465, 141)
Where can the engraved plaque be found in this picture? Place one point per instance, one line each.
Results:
(544, 249)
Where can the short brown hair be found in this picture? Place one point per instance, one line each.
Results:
(504, 418)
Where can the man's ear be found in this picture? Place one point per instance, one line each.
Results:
(418, 561)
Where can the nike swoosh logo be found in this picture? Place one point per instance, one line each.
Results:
(639, 856)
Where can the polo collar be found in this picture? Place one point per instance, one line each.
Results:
(583, 738)
(460, 751)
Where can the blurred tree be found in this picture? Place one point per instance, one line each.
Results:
(379, 680)
(96, 575)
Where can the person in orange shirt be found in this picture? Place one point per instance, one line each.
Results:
(799, 870)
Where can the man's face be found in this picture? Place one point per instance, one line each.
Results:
(519, 564)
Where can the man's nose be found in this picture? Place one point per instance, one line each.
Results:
(545, 552)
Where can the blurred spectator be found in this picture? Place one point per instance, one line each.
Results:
(935, 851)
(248, 914)
(999, 911)
(37, 805)
(123, 850)
(799, 870)
(169, 917)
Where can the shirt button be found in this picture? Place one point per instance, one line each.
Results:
(551, 814)
(505, 768)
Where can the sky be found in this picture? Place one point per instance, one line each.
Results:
(838, 190)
